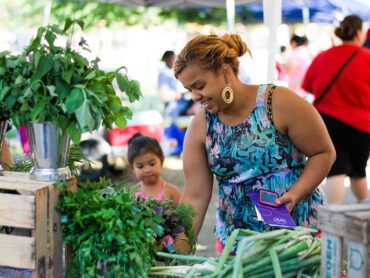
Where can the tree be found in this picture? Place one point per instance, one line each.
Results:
(30, 13)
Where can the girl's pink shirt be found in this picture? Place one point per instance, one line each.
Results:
(161, 196)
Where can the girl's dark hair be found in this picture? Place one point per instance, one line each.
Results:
(140, 144)
(347, 30)
(299, 40)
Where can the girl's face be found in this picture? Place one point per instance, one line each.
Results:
(147, 168)
(205, 86)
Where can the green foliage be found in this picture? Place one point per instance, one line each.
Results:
(95, 14)
(11, 71)
(176, 220)
(62, 86)
(108, 233)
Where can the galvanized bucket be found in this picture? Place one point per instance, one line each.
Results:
(3, 126)
(49, 152)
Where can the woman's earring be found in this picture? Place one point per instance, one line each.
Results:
(227, 94)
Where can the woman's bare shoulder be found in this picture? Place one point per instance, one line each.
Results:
(197, 127)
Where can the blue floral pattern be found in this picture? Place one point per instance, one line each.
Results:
(250, 156)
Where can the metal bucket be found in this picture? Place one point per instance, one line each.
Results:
(49, 152)
(3, 126)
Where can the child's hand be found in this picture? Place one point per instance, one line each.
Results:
(182, 244)
(289, 199)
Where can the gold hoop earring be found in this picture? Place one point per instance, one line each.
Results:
(227, 94)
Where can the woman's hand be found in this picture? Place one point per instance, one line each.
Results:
(182, 244)
(290, 199)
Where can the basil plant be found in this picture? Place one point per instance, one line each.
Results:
(60, 85)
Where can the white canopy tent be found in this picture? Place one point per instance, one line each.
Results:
(272, 14)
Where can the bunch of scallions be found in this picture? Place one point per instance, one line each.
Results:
(278, 253)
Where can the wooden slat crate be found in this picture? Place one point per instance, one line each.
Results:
(345, 233)
(33, 209)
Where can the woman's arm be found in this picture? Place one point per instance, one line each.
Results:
(198, 177)
(298, 119)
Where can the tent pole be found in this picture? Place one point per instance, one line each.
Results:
(47, 12)
(272, 13)
(230, 11)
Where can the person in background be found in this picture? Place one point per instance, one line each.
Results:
(339, 79)
(249, 137)
(176, 104)
(146, 158)
(281, 76)
(367, 40)
(297, 62)
(170, 90)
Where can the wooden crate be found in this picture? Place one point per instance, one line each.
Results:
(33, 209)
(345, 233)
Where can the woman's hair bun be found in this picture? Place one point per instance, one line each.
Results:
(235, 42)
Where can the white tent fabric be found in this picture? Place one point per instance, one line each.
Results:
(272, 10)
(177, 3)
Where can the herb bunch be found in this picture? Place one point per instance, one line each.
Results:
(108, 233)
(175, 220)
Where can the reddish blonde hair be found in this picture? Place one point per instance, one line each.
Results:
(209, 52)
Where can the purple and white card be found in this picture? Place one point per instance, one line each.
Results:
(272, 216)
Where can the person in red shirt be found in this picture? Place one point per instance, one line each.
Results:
(345, 107)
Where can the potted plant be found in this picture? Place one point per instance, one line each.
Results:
(64, 95)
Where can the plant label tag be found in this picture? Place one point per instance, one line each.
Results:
(272, 216)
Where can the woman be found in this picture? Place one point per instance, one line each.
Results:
(250, 137)
(345, 107)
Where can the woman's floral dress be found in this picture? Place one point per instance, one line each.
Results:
(250, 156)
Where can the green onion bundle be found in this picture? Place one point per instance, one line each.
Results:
(278, 253)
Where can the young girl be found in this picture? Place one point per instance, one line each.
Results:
(146, 158)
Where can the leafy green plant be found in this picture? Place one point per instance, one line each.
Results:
(60, 85)
(11, 67)
(107, 232)
(175, 220)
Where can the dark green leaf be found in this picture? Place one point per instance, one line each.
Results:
(45, 65)
(120, 120)
(50, 38)
(74, 100)
(84, 117)
(122, 81)
(36, 111)
(74, 133)
(67, 76)
(67, 24)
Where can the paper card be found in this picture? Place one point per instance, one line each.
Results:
(259, 216)
(272, 216)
